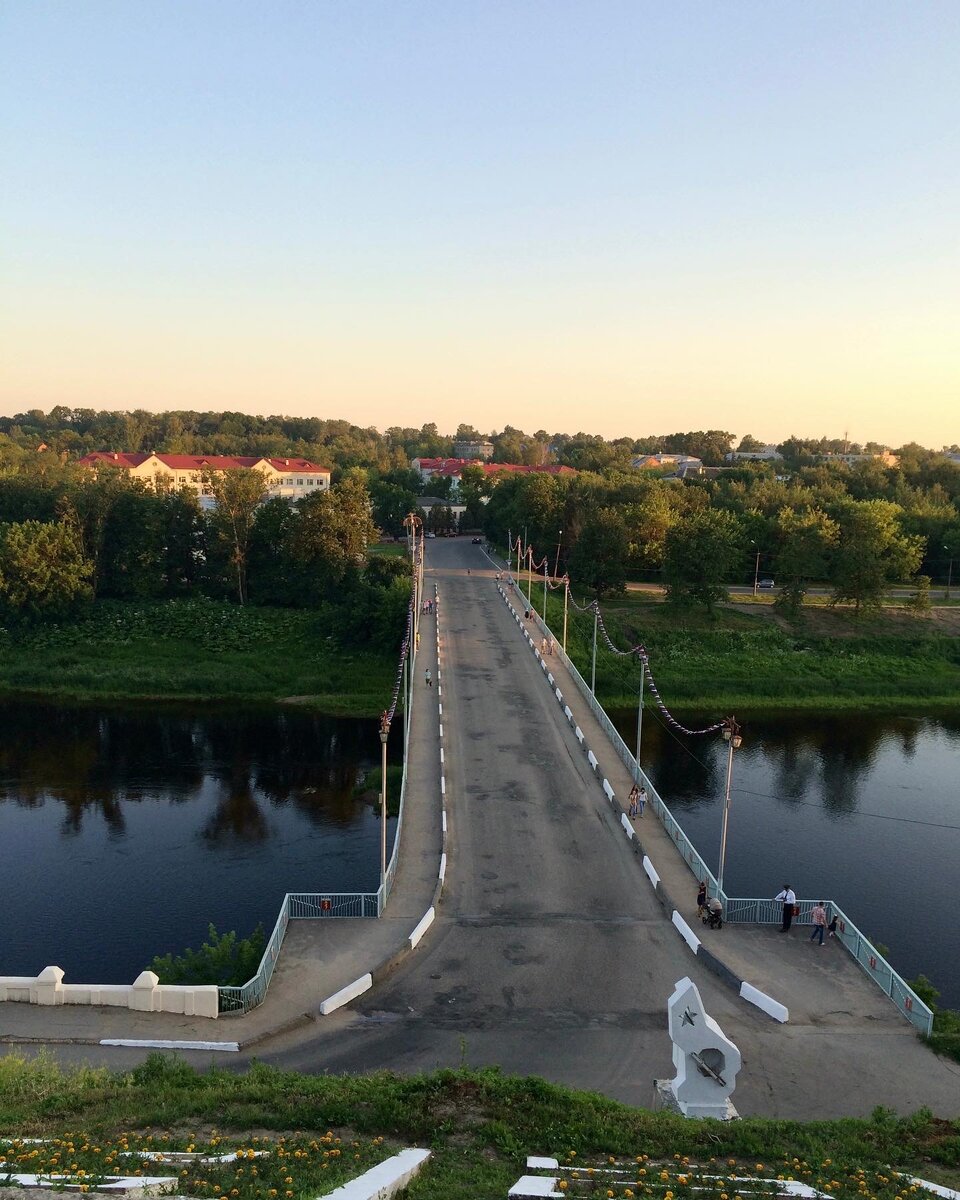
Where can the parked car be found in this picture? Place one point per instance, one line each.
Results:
(766, 585)
(476, 541)
(431, 534)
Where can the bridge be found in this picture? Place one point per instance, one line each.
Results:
(551, 952)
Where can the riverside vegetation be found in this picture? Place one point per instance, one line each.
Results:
(479, 1126)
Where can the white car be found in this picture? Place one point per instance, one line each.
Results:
(430, 535)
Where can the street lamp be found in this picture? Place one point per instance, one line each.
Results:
(731, 735)
(384, 734)
(756, 570)
(949, 574)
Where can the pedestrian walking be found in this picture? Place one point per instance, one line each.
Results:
(543, 646)
(701, 898)
(553, 646)
(788, 898)
(819, 916)
(642, 799)
(634, 794)
(428, 678)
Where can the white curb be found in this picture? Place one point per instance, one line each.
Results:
(148, 1044)
(773, 1008)
(345, 995)
(686, 932)
(385, 1179)
(627, 827)
(651, 870)
(422, 926)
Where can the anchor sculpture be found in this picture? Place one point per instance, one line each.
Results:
(706, 1061)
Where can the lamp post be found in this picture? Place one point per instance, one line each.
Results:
(384, 734)
(731, 735)
(643, 675)
(530, 577)
(556, 565)
(756, 572)
(545, 568)
(566, 598)
(949, 575)
(593, 670)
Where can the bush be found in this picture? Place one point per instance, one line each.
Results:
(224, 960)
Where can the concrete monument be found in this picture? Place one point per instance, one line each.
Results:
(706, 1061)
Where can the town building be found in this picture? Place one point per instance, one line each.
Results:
(289, 478)
(851, 460)
(766, 454)
(453, 468)
(473, 449)
(644, 462)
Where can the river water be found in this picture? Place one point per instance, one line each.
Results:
(863, 810)
(125, 831)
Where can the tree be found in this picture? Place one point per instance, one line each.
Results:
(237, 492)
(701, 552)
(598, 559)
(749, 444)
(919, 602)
(43, 571)
(805, 539)
(330, 538)
(873, 550)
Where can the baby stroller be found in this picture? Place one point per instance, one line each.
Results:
(713, 913)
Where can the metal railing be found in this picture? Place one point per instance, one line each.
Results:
(738, 910)
(759, 911)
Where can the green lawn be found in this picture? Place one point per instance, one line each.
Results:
(479, 1125)
(196, 649)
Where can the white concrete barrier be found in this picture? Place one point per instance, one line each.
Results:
(773, 1008)
(609, 790)
(550, 679)
(154, 1044)
(579, 732)
(559, 695)
(592, 759)
(651, 870)
(544, 665)
(422, 926)
(385, 1179)
(686, 932)
(145, 994)
(345, 995)
(568, 713)
(442, 873)
(443, 820)
(441, 729)
(537, 653)
(443, 786)
(441, 756)
(627, 827)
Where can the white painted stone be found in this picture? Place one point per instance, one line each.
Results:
(651, 870)
(345, 995)
(686, 932)
(422, 926)
(385, 1179)
(706, 1061)
(537, 1162)
(156, 1044)
(534, 1186)
(773, 1008)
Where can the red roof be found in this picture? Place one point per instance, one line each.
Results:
(200, 462)
(455, 467)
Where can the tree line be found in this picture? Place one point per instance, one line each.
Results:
(68, 538)
(858, 530)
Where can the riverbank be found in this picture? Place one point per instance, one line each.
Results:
(480, 1127)
(195, 650)
(748, 659)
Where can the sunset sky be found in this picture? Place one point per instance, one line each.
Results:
(625, 218)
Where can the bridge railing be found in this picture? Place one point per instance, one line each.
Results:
(746, 910)
(759, 911)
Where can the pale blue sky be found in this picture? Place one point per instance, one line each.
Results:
(621, 217)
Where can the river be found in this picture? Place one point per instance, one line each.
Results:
(864, 810)
(126, 830)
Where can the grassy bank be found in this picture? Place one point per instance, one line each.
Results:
(195, 649)
(751, 661)
(480, 1126)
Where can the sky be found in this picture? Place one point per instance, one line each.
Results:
(624, 218)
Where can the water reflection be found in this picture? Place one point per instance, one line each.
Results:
(147, 823)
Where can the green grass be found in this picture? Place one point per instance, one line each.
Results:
(479, 1125)
(737, 661)
(195, 649)
(389, 549)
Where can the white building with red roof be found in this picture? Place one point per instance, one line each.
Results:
(291, 478)
(453, 468)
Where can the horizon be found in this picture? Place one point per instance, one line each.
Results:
(548, 216)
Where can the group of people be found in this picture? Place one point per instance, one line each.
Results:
(427, 606)
(637, 801)
(547, 646)
(818, 914)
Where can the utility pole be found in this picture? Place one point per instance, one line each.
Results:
(566, 598)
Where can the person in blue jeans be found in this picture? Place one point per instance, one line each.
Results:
(819, 917)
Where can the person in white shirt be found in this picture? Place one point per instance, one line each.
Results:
(788, 898)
